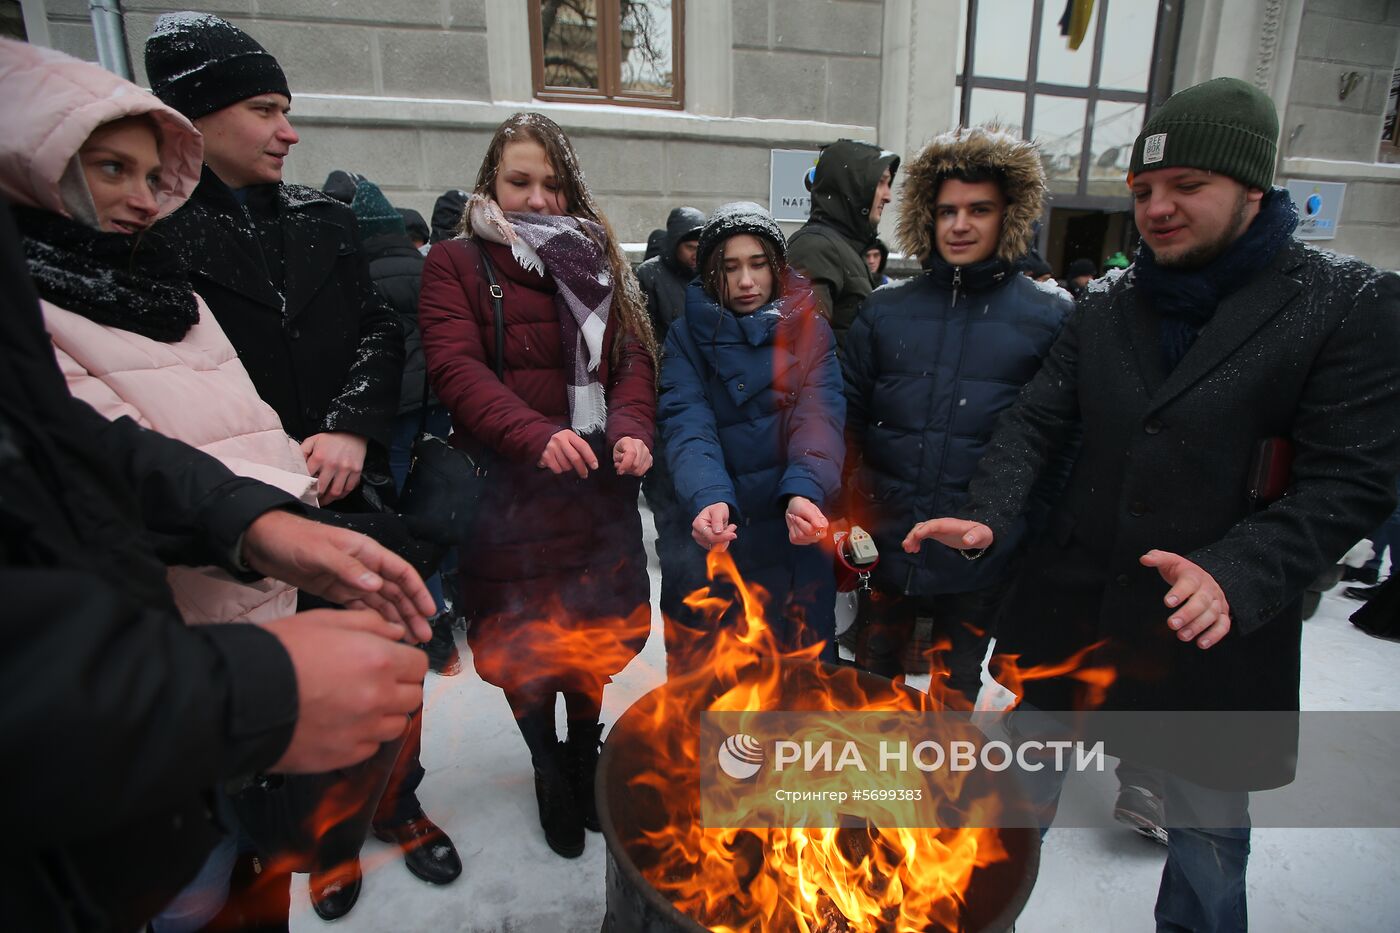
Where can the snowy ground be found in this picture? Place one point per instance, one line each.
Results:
(479, 788)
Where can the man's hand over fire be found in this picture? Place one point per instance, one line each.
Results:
(711, 528)
(1202, 611)
(954, 532)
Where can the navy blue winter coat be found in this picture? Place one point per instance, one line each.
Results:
(751, 412)
(930, 364)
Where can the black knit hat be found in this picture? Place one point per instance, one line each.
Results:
(199, 63)
(1223, 125)
(734, 218)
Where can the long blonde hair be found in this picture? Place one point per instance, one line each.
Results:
(627, 302)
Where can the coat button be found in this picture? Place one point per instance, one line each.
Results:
(311, 414)
(293, 333)
(1122, 579)
(1153, 426)
(1138, 509)
(741, 387)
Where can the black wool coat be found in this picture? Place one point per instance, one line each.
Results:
(122, 719)
(1309, 350)
(286, 277)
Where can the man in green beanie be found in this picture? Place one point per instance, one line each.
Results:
(1237, 392)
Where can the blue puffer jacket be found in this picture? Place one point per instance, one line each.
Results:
(931, 363)
(751, 413)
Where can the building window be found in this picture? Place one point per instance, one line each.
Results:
(608, 51)
(1084, 105)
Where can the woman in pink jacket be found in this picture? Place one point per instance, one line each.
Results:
(90, 161)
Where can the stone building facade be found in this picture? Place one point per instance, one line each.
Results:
(408, 93)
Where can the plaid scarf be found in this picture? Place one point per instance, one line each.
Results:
(569, 250)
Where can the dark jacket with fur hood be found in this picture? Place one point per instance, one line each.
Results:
(931, 363)
(829, 249)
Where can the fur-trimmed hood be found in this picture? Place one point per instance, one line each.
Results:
(984, 148)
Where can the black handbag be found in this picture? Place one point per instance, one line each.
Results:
(445, 485)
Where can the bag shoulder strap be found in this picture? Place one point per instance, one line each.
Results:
(498, 316)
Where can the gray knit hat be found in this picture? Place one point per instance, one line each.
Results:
(1223, 125)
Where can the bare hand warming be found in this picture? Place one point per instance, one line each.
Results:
(336, 459)
(1202, 611)
(567, 451)
(805, 522)
(711, 528)
(631, 457)
(340, 565)
(954, 532)
(356, 686)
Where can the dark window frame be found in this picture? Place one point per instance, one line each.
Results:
(1159, 86)
(609, 59)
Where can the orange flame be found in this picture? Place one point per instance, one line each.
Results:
(786, 879)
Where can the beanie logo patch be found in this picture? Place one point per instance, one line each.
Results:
(1154, 148)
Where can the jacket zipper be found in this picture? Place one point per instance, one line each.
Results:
(957, 283)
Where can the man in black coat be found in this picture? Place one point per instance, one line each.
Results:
(283, 271)
(1226, 343)
(127, 718)
(280, 266)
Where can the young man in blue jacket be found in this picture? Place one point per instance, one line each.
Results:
(930, 363)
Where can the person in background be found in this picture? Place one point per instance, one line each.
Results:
(554, 581)
(1033, 267)
(1078, 276)
(664, 279)
(282, 269)
(850, 187)
(876, 258)
(931, 364)
(417, 228)
(1116, 261)
(447, 215)
(751, 411)
(654, 240)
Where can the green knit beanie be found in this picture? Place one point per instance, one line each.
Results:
(374, 215)
(1223, 125)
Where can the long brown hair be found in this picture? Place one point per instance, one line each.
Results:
(627, 302)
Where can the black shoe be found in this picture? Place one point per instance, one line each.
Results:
(560, 817)
(1362, 593)
(427, 851)
(1141, 809)
(442, 647)
(581, 766)
(334, 892)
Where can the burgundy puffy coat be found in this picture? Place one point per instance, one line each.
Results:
(544, 541)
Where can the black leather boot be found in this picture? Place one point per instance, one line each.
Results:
(560, 817)
(581, 765)
(427, 851)
(334, 892)
(442, 647)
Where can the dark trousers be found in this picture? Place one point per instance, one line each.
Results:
(400, 800)
(439, 424)
(964, 622)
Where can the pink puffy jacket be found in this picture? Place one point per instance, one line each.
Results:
(195, 390)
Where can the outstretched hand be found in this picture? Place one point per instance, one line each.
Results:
(631, 457)
(567, 451)
(805, 522)
(336, 459)
(341, 566)
(954, 532)
(711, 528)
(1202, 611)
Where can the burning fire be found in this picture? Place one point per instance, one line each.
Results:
(789, 879)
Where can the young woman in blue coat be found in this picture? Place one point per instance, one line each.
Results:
(752, 410)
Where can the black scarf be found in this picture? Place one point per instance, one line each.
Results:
(1186, 299)
(107, 277)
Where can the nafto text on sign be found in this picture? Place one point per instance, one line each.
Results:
(788, 197)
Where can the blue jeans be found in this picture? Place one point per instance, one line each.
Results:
(1203, 880)
(439, 423)
(1387, 536)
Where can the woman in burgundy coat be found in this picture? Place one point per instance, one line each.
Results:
(554, 581)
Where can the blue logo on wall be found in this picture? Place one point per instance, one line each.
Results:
(1313, 204)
